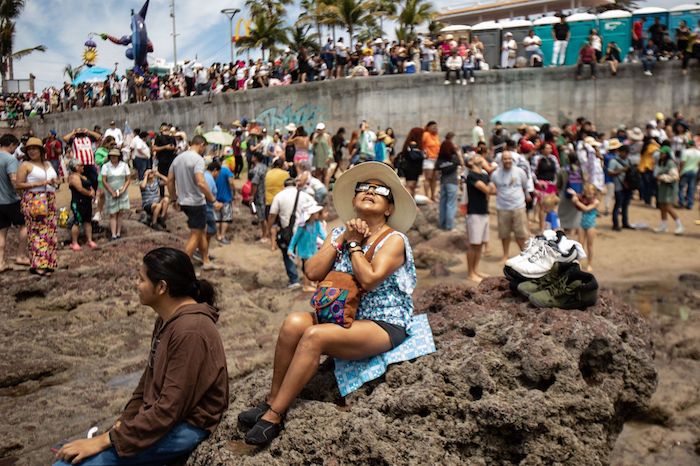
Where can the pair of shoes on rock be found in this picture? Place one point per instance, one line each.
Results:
(260, 431)
(541, 253)
(565, 286)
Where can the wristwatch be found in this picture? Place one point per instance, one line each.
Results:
(353, 245)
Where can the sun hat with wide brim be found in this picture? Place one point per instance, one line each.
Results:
(636, 134)
(114, 153)
(344, 191)
(614, 144)
(591, 141)
(34, 142)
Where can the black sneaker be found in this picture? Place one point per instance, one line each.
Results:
(263, 432)
(250, 417)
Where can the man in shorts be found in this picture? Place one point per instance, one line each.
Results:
(478, 191)
(189, 191)
(257, 180)
(224, 194)
(10, 212)
(151, 202)
(509, 183)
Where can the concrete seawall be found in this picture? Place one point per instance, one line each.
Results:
(412, 100)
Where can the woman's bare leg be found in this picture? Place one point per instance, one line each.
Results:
(291, 332)
(362, 340)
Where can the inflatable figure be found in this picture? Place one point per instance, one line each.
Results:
(90, 53)
(139, 42)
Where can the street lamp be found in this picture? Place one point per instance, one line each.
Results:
(230, 13)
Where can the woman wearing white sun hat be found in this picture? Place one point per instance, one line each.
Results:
(375, 208)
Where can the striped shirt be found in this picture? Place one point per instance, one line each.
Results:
(82, 150)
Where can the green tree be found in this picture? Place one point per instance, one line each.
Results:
(270, 8)
(299, 36)
(72, 72)
(314, 12)
(383, 9)
(9, 11)
(265, 33)
(413, 14)
(350, 14)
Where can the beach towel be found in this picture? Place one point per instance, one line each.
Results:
(351, 375)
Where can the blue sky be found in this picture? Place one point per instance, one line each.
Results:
(63, 26)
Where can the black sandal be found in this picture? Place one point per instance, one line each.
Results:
(264, 432)
(250, 417)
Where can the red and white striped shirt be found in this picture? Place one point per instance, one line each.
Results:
(82, 150)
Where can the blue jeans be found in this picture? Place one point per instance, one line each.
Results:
(686, 191)
(291, 268)
(622, 203)
(141, 166)
(448, 205)
(178, 443)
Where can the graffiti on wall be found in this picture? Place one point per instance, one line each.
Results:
(275, 118)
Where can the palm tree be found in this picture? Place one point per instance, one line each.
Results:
(298, 37)
(350, 14)
(72, 72)
(369, 30)
(314, 12)
(271, 8)
(415, 13)
(265, 33)
(9, 11)
(384, 9)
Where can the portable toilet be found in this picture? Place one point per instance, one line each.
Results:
(489, 34)
(616, 26)
(580, 25)
(519, 28)
(650, 13)
(688, 13)
(543, 30)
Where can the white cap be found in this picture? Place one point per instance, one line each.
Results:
(320, 127)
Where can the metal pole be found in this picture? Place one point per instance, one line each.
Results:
(230, 13)
(172, 15)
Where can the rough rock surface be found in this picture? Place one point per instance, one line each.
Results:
(509, 385)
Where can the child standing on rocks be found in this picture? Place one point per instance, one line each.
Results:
(306, 238)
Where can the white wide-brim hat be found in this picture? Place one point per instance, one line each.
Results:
(344, 191)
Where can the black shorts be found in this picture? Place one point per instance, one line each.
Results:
(397, 334)
(342, 61)
(148, 208)
(196, 216)
(412, 170)
(11, 214)
(90, 172)
(82, 212)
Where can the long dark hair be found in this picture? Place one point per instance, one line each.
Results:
(175, 268)
(447, 148)
(414, 135)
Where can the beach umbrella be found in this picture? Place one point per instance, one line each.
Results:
(92, 75)
(220, 138)
(518, 116)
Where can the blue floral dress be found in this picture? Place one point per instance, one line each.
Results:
(391, 301)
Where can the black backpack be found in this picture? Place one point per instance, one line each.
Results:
(633, 179)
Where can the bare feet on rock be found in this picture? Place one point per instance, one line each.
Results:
(474, 278)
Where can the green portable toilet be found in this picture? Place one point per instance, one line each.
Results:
(580, 25)
(543, 29)
(616, 26)
(489, 34)
(650, 13)
(688, 13)
(519, 28)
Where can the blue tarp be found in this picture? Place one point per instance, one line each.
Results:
(91, 75)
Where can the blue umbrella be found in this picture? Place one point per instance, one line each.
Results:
(519, 116)
(92, 75)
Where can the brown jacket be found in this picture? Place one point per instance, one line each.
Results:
(185, 380)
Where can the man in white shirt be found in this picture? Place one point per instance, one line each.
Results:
(509, 183)
(532, 44)
(140, 153)
(116, 133)
(282, 208)
(188, 72)
(202, 80)
(478, 133)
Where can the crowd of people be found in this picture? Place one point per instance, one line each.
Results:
(542, 178)
(458, 57)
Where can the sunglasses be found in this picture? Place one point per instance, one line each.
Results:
(378, 190)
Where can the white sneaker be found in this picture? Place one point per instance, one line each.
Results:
(294, 286)
(661, 229)
(679, 230)
(464, 82)
(546, 253)
(471, 80)
(533, 244)
(647, 73)
(447, 83)
(97, 217)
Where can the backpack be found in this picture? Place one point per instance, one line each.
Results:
(633, 179)
(574, 181)
(415, 155)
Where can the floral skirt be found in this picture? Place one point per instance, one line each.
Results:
(41, 233)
